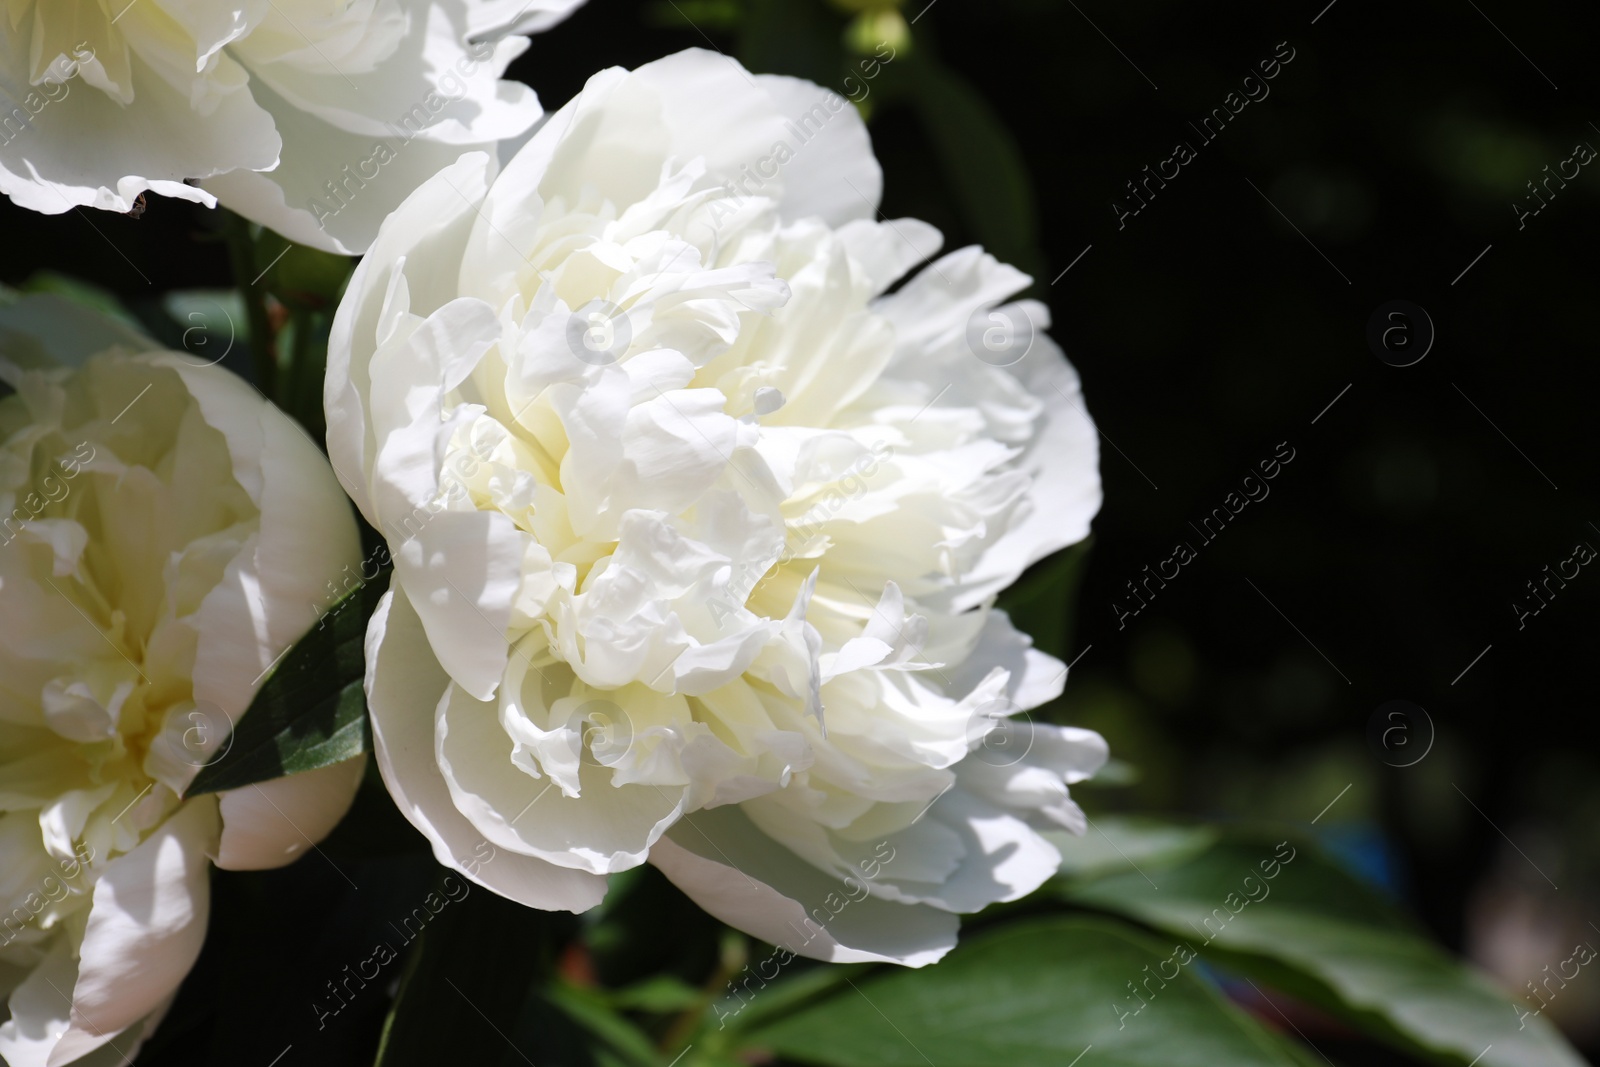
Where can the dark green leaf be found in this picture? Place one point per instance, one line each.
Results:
(469, 981)
(80, 292)
(661, 994)
(1034, 994)
(647, 927)
(303, 277)
(589, 1010)
(1115, 841)
(311, 710)
(786, 996)
(983, 164)
(1320, 934)
(1041, 604)
(794, 37)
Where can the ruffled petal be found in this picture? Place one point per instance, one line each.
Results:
(1064, 459)
(604, 829)
(404, 687)
(420, 249)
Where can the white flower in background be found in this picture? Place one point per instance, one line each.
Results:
(696, 529)
(162, 530)
(312, 117)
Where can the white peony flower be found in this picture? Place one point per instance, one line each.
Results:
(697, 525)
(162, 531)
(312, 117)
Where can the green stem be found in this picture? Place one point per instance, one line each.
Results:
(732, 957)
(263, 350)
(308, 359)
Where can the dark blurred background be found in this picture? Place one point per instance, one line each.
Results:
(1383, 163)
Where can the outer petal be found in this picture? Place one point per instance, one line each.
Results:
(749, 881)
(1029, 768)
(270, 824)
(607, 828)
(266, 599)
(85, 149)
(40, 1009)
(146, 925)
(418, 80)
(404, 686)
(618, 132)
(833, 174)
(1065, 460)
(424, 239)
(886, 250)
(294, 198)
(489, 18)
(462, 572)
(1003, 858)
(39, 329)
(1033, 677)
(933, 306)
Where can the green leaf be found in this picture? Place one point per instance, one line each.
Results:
(311, 710)
(303, 278)
(785, 996)
(796, 37)
(589, 1010)
(1041, 604)
(660, 994)
(1117, 841)
(471, 978)
(1033, 994)
(646, 927)
(983, 164)
(705, 15)
(80, 292)
(1318, 933)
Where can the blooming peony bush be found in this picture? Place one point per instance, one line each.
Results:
(161, 530)
(312, 118)
(697, 525)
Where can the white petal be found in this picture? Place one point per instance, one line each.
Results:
(494, 17)
(410, 428)
(750, 882)
(833, 175)
(271, 591)
(40, 1008)
(1065, 460)
(86, 149)
(369, 176)
(1002, 857)
(427, 234)
(421, 84)
(886, 250)
(605, 829)
(404, 686)
(272, 823)
(146, 925)
(1025, 768)
(461, 573)
(616, 134)
(1035, 677)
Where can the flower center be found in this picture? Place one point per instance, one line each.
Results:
(119, 514)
